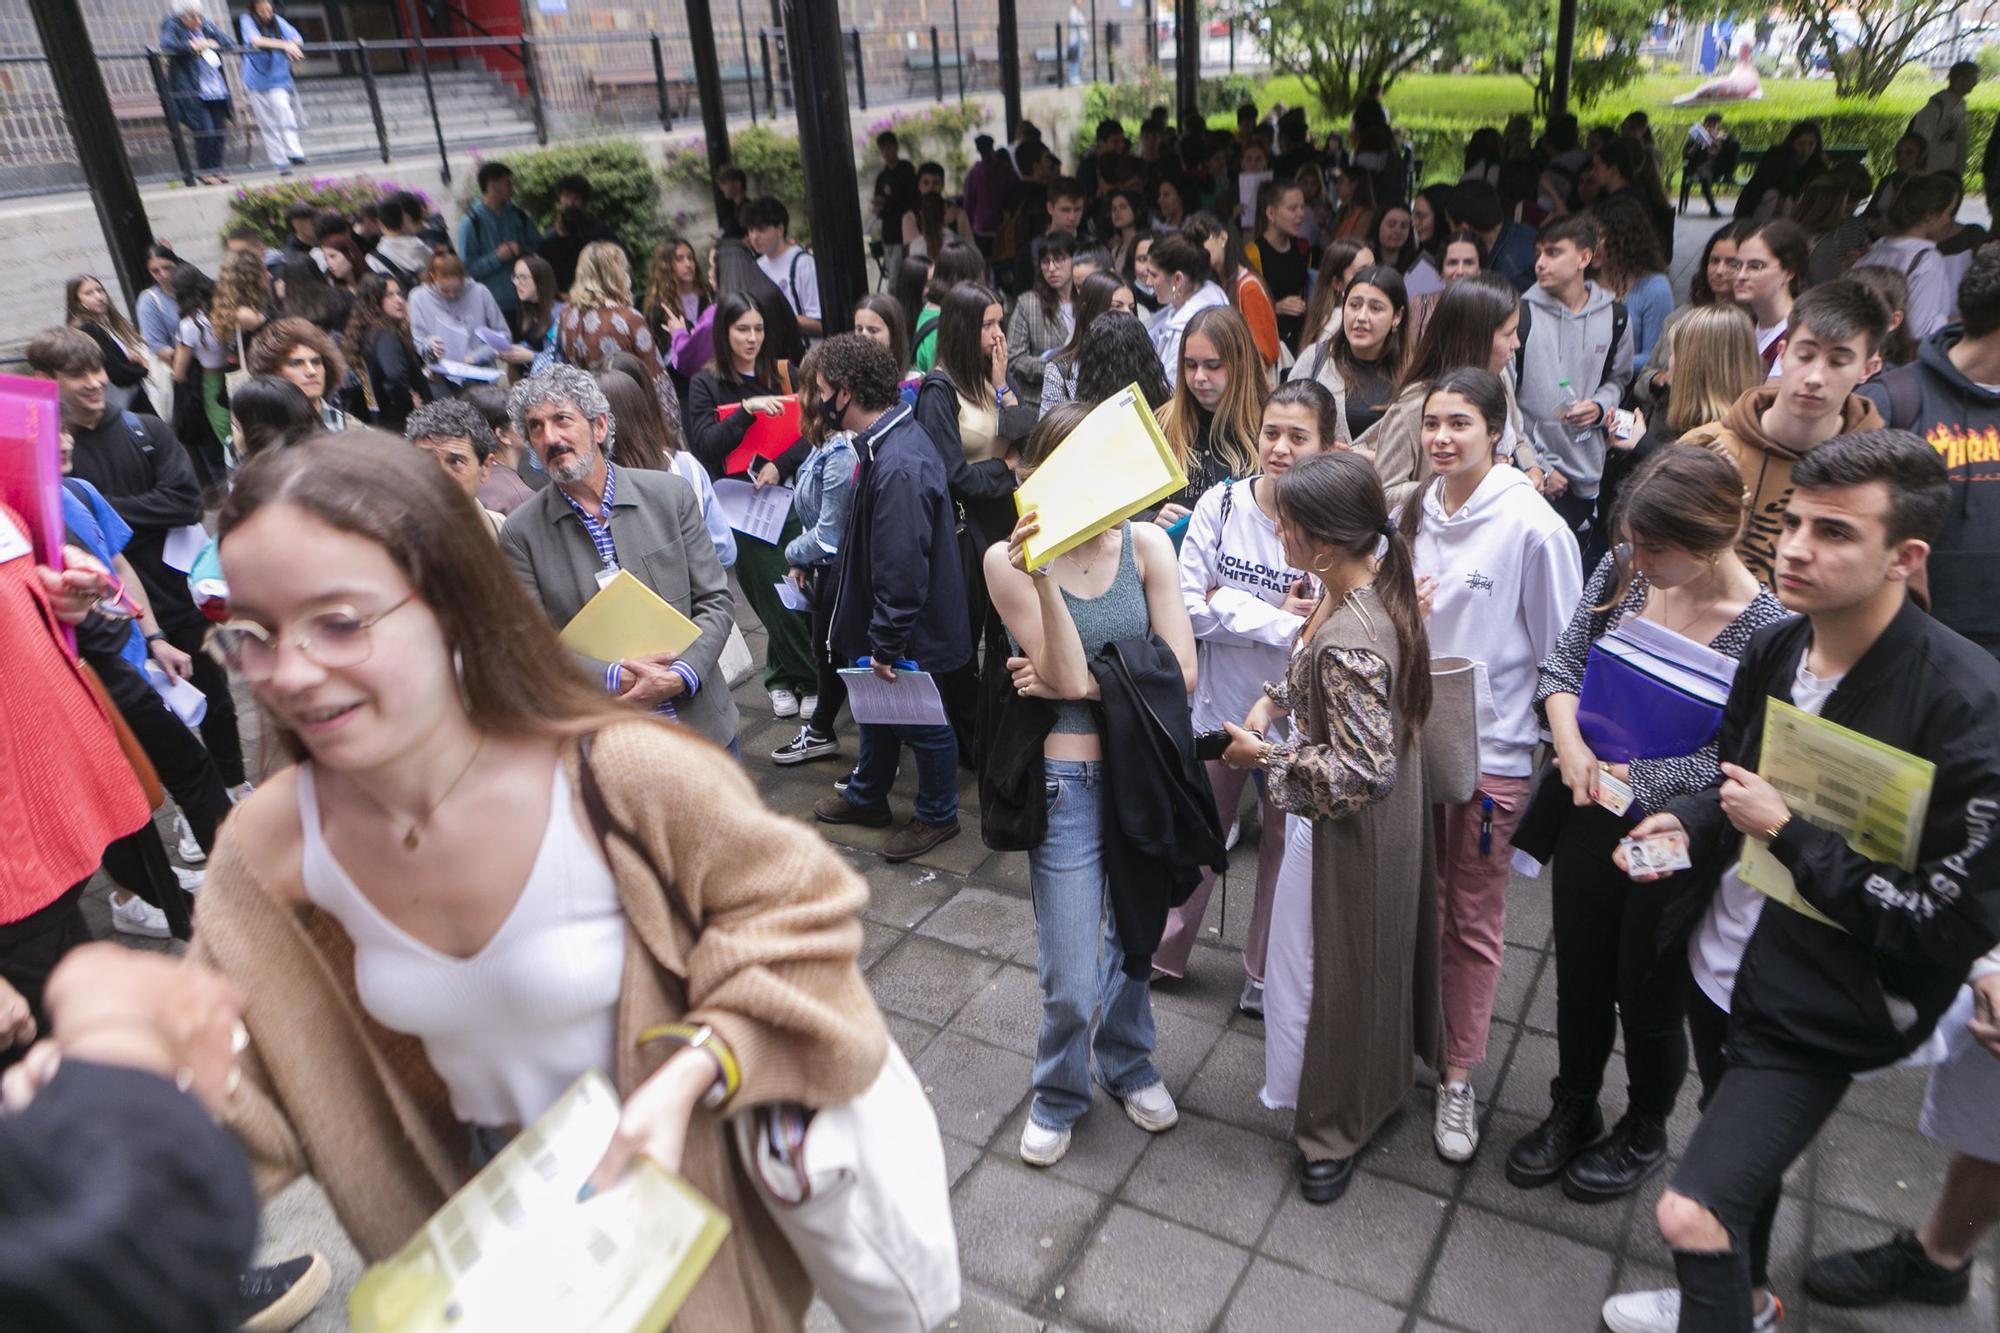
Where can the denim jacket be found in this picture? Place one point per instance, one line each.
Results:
(821, 493)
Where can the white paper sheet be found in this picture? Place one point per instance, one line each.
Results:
(759, 514)
(457, 342)
(910, 700)
(498, 341)
(184, 546)
(789, 594)
(462, 370)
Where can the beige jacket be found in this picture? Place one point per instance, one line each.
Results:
(329, 1091)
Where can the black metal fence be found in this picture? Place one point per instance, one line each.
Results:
(392, 100)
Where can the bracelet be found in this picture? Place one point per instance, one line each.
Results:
(1771, 833)
(728, 1077)
(155, 636)
(1000, 395)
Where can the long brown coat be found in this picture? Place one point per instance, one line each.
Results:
(329, 1091)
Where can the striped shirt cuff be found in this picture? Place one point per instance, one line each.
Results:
(611, 678)
(689, 675)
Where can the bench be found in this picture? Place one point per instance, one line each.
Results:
(1048, 64)
(919, 63)
(617, 83)
(141, 111)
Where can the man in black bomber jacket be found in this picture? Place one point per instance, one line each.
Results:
(1813, 1004)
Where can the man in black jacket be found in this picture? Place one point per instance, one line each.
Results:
(900, 599)
(1811, 1004)
(138, 465)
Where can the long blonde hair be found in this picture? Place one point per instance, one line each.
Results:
(1712, 350)
(1240, 414)
(603, 277)
(243, 282)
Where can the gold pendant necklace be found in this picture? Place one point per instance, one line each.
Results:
(413, 837)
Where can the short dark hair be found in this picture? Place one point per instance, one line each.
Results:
(766, 211)
(574, 184)
(1028, 153)
(1839, 310)
(1095, 255)
(930, 169)
(490, 400)
(729, 171)
(493, 171)
(1579, 229)
(1919, 486)
(453, 419)
(244, 232)
(1476, 204)
(1959, 67)
(887, 139)
(863, 367)
(1924, 197)
(331, 223)
(1108, 129)
(301, 209)
(64, 351)
(1712, 118)
(1979, 292)
(1066, 187)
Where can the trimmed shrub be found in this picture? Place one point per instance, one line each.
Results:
(624, 192)
(264, 206)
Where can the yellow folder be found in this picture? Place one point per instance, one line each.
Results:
(1115, 463)
(628, 619)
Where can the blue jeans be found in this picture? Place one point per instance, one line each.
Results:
(937, 769)
(1078, 956)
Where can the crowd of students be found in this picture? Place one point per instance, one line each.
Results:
(1436, 448)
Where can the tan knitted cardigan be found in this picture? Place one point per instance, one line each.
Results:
(329, 1091)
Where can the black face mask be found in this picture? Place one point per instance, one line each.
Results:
(832, 413)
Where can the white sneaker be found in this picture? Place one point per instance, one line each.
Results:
(136, 916)
(1152, 1109)
(190, 850)
(1456, 1128)
(1660, 1312)
(809, 704)
(1251, 1001)
(784, 703)
(1235, 832)
(1042, 1147)
(190, 879)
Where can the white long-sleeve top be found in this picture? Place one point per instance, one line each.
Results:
(1234, 579)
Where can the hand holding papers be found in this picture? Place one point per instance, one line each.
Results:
(1871, 794)
(1113, 464)
(1649, 693)
(627, 619)
(515, 1249)
(493, 338)
(457, 342)
(767, 437)
(789, 594)
(910, 700)
(753, 512)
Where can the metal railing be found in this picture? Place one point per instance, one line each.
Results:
(421, 96)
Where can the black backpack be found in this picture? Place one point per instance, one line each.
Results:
(1620, 318)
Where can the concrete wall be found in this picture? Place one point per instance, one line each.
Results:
(50, 238)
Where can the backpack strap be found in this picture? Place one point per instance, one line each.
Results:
(1906, 397)
(1228, 503)
(1621, 318)
(793, 277)
(1521, 334)
(137, 428)
(926, 327)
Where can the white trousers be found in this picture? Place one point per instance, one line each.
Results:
(277, 115)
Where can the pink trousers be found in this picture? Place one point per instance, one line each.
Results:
(1475, 851)
(1184, 922)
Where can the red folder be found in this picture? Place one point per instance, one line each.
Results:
(31, 461)
(767, 438)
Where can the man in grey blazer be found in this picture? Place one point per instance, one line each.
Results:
(575, 535)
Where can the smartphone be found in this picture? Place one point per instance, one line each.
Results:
(1209, 745)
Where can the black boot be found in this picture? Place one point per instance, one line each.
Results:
(1323, 1182)
(1542, 1153)
(1896, 1270)
(1614, 1167)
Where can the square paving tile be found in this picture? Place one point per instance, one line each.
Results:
(1879, 1170)
(1226, 1088)
(1526, 1089)
(1498, 1274)
(1007, 871)
(1376, 1239)
(928, 980)
(1530, 916)
(1019, 1228)
(1143, 1272)
(973, 1087)
(1102, 1146)
(911, 1034)
(1217, 1177)
(1275, 1297)
(1486, 1184)
(1404, 1150)
(1209, 991)
(999, 925)
(1181, 1042)
(876, 940)
(1006, 1011)
(1518, 967)
(898, 895)
(1895, 1097)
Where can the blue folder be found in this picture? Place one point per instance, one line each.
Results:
(1649, 693)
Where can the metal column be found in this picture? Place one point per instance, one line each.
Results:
(826, 146)
(100, 149)
(1010, 66)
(708, 87)
(1565, 56)
(1187, 61)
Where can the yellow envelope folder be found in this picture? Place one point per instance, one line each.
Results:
(1115, 463)
(628, 619)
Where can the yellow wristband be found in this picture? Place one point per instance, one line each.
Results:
(707, 1040)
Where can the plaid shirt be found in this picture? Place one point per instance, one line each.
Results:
(599, 528)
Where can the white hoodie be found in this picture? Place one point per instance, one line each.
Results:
(1243, 635)
(1173, 323)
(1509, 578)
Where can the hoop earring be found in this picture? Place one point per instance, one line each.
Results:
(1320, 567)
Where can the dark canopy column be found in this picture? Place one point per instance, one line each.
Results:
(833, 196)
(1010, 66)
(1187, 61)
(708, 86)
(1565, 56)
(100, 149)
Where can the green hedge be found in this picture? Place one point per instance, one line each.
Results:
(264, 206)
(625, 192)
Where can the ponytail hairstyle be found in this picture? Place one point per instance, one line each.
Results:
(1683, 496)
(1487, 393)
(1330, 292)
(1336, 500)
(1093, 299)
(1314, 398)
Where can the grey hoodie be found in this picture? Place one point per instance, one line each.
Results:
(1564, 344)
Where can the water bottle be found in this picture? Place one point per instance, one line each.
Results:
(1582, 436)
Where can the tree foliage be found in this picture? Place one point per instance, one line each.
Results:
(1520, 35)
(1338, 48)
(1865, 42)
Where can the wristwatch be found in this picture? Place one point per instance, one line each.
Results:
(155, 636)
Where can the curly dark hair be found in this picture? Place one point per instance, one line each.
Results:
(453, 419)
(863, 367)
(275, 341)
(369, 319)
(1627, 246)
(1116, 352)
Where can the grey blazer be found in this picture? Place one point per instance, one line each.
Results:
(656, 525)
